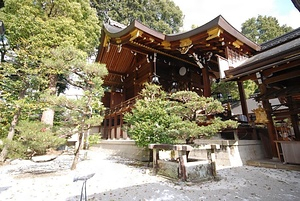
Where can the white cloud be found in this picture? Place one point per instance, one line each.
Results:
(199, 12)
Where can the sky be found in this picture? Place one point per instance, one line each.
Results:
(236, 12)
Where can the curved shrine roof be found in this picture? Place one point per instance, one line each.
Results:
(120, 45)
(215, 28)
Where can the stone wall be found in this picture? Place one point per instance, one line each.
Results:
(229, 152)
(125, 148)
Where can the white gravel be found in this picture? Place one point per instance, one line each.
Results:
(118, 179)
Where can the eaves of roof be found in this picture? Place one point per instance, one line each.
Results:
(216, 22)
(281, 39)
(266, 59)
(296, 4)
(117, 32)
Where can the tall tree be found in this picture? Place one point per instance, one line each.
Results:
(263, 28)
(19, 86)
(35, 29)
(82, 112)
(38, 26)
(160, 15)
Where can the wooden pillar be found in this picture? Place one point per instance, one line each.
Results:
(104, 134)
(182, 165)
(212, 159)
(121, 125)
(109, 126)
(294, 118)
(206, 82)
(155, 157)
(243, 99)
(270, 125)
(115, 125)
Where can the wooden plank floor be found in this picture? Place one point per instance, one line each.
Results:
(270, 163)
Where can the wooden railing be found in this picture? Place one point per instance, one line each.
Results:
(122, 107)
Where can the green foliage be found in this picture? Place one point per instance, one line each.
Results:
(231, 88)
(50, 42)
(42, 36)
(263, 29)
(214, 126)
(197, 113)
(160, 15)
(250, 88)
(149, 121)
(94, 139)
(190, 106)
(38, 26)
(84, 111)
(32, 138)
(158, 118)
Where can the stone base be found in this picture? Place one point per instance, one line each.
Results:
(197, 170)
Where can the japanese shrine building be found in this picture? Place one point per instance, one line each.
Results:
(276, 70)
(192, 60)
(136, 54)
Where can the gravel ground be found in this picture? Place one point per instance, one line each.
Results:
(121, 179)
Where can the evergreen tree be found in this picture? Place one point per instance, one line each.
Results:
(43, 36)
(160, 15)
(263, 28)
(35, 28)
(161, 118)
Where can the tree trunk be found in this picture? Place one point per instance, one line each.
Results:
(10, 135)
(77, 152)
(12, 127)
(86, 139)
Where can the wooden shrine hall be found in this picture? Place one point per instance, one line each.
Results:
(136, 54)
(276, 70)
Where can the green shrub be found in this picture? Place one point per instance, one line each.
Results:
(167, 119)
(94, 139)
(32, 138)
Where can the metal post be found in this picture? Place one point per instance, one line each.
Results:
(83, 188)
